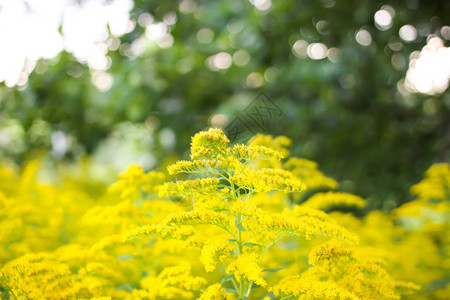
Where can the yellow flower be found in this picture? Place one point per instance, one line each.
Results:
(134, 180)
(246, 267)
(254, 152)
(186, 187)
(330, 251)
(279, 143)
(305, 287)
(213, 250)
(300, 211)
(174, 232)
(307, 225)
(172, 283)
(436, 185)
(325, 201)
(213, 292)
(209, 144)
(197, 216)
(266, 180)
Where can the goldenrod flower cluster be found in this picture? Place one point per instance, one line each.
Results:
(325, 201)
(172, 283)
(267, 180)
(250, 223)
(214, 251)
(436, 185)
(243, 152)
(214, 292)
(134, 181)
(209, 144)
(340, 273)
(246, 267)
(309, 173)
(205, 186)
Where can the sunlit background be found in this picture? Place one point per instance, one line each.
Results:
(125, 80)
(40, 29)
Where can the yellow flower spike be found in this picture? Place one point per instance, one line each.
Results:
(280, 143)
(435, 185)
(133, 172)
(329, 251)
(134, 180)
(300, 163)
(307, 171)
(255, 152)
(150, 181)
(174, 282)
(439, 170)
(246, 267)
(205, 166)
(182, 166)
(307, 225)
(209, 144)
(300, 211)
(174, 232)
(186, 187)
(305, 287)
(197, 216)
(196, 241)
(325, 201)
(41, 276)
(364, 276)
(214, 292)
(212, 250)
(267, 180)
(246, 209)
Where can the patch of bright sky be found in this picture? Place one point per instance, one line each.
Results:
(29, 31)
(429, 69)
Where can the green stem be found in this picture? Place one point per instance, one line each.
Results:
(235, 284)
(239, 236)
(249, 289)
(266, 248)
(12, 293)
(241, 290)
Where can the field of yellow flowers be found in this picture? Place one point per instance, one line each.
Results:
(234, 222)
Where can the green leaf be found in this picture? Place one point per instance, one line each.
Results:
(222, 209)
(125, 257)
(239, 226)
(227, 278)
(231, 290)
(271, 295)
(252, 244)
(274, 270)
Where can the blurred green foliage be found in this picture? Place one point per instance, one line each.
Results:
(347, 114)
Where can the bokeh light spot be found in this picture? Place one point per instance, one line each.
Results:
(205, 35)
(429, 70)
(317, 51)
(241, 57)
(262, 5)
(300, 48)
(254, 80)
(408, 33)
(363, 37)
(383, 19)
